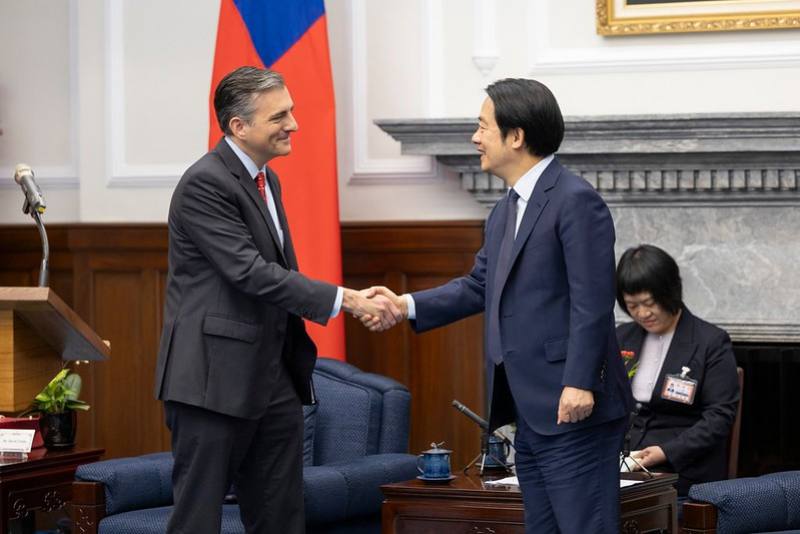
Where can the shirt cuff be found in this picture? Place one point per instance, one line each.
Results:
(412, 308)
(337, 304)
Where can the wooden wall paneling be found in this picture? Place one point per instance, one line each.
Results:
(21, 255)
(121, 295)
(83, 295)
(385, 353)
(437, 366)
(119, 304)
(446, 364)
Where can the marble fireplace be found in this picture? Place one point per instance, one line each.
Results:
(721, 193)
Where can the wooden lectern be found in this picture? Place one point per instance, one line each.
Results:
(37, 331)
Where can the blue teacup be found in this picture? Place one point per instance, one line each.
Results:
(497, 453)
(434, 464)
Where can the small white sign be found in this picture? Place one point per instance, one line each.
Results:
(16, 440)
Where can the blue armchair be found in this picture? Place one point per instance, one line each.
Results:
(769, 503)
(356, 439)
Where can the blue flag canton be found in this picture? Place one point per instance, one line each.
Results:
(276, 25)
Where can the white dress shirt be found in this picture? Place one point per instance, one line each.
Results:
(654, 351)
(253, 170)
(524, 188)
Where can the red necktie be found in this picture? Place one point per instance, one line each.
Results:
(261, 183)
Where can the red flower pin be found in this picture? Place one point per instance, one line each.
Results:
(627, 358)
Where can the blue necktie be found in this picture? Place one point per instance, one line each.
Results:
(503, 264)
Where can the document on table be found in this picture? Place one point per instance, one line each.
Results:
(512, 481)
(508, 481)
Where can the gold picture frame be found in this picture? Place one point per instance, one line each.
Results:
(636, 17)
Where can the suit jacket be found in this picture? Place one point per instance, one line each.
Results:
(693, 437)
(556, 305)
(234, 297)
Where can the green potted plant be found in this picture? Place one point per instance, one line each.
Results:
(57, 404)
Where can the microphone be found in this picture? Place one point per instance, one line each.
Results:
(35, 205)
(478, 420)
(23, 175)
(485, 451)
(626, 442)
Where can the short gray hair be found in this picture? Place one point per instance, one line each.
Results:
(235, 94)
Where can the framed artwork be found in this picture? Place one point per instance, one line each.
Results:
(635, 17)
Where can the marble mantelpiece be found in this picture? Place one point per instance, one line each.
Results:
(719, 192)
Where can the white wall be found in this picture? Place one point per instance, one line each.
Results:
(108, 99)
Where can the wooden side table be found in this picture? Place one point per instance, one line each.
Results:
(467, 505)
(43, 482)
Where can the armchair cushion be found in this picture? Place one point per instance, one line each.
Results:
(378, 422)
(152, 521)
(348, 419)
(761, 504)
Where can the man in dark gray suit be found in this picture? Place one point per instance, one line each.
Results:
(235, 362)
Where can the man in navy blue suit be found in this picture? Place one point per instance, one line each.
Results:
(545, 280)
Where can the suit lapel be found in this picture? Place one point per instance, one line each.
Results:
(634, 343)
(536, 204)
(681, 350)
(238, 169)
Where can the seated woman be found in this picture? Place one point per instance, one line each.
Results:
(685, 380)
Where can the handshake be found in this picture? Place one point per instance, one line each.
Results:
(378, 308)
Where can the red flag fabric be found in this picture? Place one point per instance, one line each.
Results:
(291, 37)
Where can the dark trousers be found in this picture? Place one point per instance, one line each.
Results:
(570, 481)
(263, 458)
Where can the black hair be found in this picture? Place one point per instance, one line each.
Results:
(649, 268)
(530, 106)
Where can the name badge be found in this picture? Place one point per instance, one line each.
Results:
(679, 388)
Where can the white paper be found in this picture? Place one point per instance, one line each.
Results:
(629, 465)
(16, 440)
(508, 481)
(512, 481)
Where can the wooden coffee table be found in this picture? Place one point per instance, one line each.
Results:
(467, 505)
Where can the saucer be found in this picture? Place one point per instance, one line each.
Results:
(443, 479)
(497, 466)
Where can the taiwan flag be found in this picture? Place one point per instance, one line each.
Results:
(290, 36)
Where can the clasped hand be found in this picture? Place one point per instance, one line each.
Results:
(378, 308)
(574, 405)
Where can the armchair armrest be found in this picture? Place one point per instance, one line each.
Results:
(349, 489)
(744, 505)
(131, 483)
(699, 518)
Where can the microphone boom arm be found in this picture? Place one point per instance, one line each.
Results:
(480, 460)
(44, 272)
